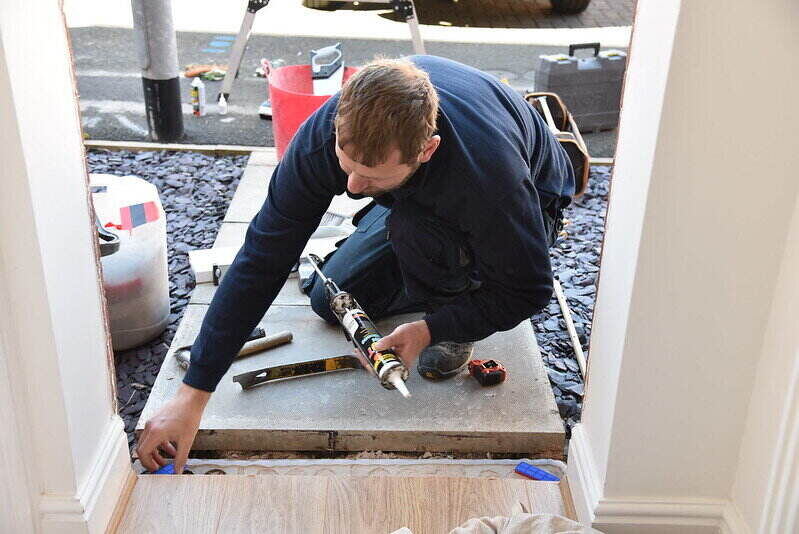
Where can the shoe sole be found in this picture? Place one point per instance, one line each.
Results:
(437, 376)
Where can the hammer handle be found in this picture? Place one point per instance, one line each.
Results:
(250, 347)
(265, 343)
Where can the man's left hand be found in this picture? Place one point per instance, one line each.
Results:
(408, 340)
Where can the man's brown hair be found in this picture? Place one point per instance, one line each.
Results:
(389, 103)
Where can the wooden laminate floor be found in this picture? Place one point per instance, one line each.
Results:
(319, 504)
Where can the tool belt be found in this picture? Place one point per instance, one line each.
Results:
(568, 136)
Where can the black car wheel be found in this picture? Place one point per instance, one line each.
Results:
(569, 7)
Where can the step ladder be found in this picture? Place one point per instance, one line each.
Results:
(404, 8)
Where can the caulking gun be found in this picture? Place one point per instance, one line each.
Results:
(360, 329)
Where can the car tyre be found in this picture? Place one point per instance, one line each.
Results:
(569, 7)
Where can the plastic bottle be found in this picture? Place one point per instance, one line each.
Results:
(222, 105)
(198, 97)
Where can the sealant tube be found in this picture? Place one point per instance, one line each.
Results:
(384, 363)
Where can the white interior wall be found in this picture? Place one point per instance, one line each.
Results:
(22, 292)
(51, 165)
(17, 494)
(650, 54)
(766, 488)
(72, 447)
(681, 313)
(722, 190)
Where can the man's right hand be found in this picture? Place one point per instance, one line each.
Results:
(172, 429)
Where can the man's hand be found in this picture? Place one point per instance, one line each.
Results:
(176, 423)
(408, 340)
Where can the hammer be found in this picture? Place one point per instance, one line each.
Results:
(183, 354)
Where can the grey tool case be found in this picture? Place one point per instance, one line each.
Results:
(589, 86)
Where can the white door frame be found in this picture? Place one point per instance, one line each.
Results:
(63, 451)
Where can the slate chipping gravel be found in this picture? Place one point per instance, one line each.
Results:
(196, 190)
(575, 261)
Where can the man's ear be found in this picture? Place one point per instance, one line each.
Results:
(429, 148)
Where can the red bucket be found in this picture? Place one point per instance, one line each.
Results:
(293, 101)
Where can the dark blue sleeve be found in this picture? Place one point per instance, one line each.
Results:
(300, 190)
(509, 243)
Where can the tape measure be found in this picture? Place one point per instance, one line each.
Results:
(487, 372)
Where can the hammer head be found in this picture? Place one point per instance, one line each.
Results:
(183, 356)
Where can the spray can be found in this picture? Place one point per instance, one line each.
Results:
(198, 97)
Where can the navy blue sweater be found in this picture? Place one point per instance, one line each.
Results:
(495, 160)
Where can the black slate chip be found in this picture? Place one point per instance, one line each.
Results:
(575, 261)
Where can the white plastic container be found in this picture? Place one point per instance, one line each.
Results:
(135, 277)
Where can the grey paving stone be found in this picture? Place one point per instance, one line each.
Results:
(263, 156)
(290, 294)
(231, 234)
(252, 191)
(250, 195)
(349, 410)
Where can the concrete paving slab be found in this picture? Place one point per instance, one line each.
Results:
(231, 234)
(290, 294)
(254, 185)
(252, 191)
(349, 410)
(263, 156)
(250, 194)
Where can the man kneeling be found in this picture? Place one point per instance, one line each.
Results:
(467, 184)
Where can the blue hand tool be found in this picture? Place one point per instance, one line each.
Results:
(534, 472)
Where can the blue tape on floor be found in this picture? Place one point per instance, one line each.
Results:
(224, 38)
(214, 50)
(219, 43)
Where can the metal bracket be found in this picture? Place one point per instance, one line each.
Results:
(217, 272)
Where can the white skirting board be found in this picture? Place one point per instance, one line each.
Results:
(644, 515)
(91, 508)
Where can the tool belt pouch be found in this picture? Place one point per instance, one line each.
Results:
(569, 137)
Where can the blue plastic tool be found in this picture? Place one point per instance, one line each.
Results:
(168, 469)
(535, 473)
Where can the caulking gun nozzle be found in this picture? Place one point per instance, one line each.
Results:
(397, 381)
